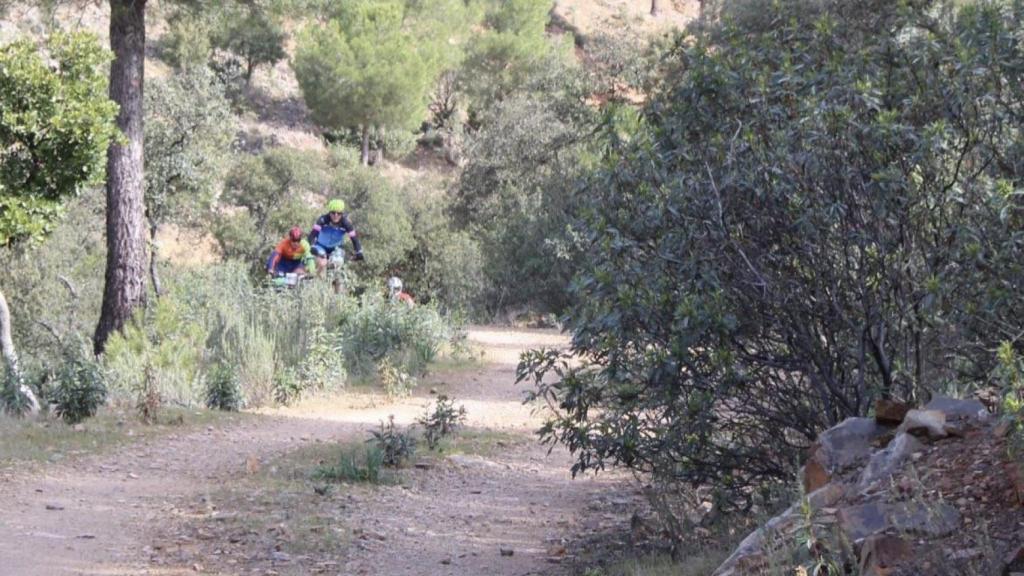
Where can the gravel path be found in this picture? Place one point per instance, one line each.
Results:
(509, 513)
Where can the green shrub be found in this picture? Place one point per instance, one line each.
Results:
(287, 386)
(395, 382)
(409, 337)
(81, 386)
(442, 421)
(13, 400)
(396, 446)
(223, 391)
(353, 465)
(158, 354)
(186, 44)
(272, 190)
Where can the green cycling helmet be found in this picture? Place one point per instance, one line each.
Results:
(336, 205)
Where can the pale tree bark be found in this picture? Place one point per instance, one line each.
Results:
(125, 283)
(10, 356)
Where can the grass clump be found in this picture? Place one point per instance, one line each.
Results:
(353, 464)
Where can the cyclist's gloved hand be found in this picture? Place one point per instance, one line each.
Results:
(359, 257)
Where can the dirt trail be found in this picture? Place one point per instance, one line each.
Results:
(102, 515)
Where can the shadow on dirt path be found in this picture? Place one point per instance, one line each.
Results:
(142, 510)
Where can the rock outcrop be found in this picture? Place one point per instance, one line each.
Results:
(927, 491)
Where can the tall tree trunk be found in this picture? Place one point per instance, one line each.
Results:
(125, 284)
(153, 276)
(10, 356)
(654, 7)
(365, 157)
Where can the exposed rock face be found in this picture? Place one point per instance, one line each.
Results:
(884, 463)
(954, 409)
(934, 496)
(930, 423)
(845, 445)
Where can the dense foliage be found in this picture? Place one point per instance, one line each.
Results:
(813, 214)
(54, 129)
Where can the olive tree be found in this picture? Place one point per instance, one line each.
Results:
(55, 127)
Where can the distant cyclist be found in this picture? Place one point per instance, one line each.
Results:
(291, 255)
(396, 294)
(329, 232)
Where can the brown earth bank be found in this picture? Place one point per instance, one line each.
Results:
(241, 499)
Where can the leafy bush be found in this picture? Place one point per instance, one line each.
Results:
(57, 284)
(395, 382)
(287, 386)
(446, 265)
(158, 354)
(396, 446)
(223, 390)
(353, 465)
(271, 190)
(761, 250)
(13, 400)
(442, 421)
(409, 338)
(81, 386)
(55, 129)
(515, 196)
(186, 44)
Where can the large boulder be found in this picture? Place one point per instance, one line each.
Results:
(843, 446)
(925, 423)
(971, 411)
(932, 519)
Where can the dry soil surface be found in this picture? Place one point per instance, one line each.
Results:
(147, 508)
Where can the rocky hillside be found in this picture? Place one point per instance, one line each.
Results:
(924, 492)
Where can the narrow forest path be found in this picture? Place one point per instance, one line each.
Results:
(188, 503)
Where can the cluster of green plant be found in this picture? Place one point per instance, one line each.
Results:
(223, 389)
(442, 421)
(807, 216)
(55, 128)
(362, 464)
(54, 132)
(80, 386)
(408, 337)
(396, 446)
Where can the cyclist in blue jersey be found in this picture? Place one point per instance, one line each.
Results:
(329, 232)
